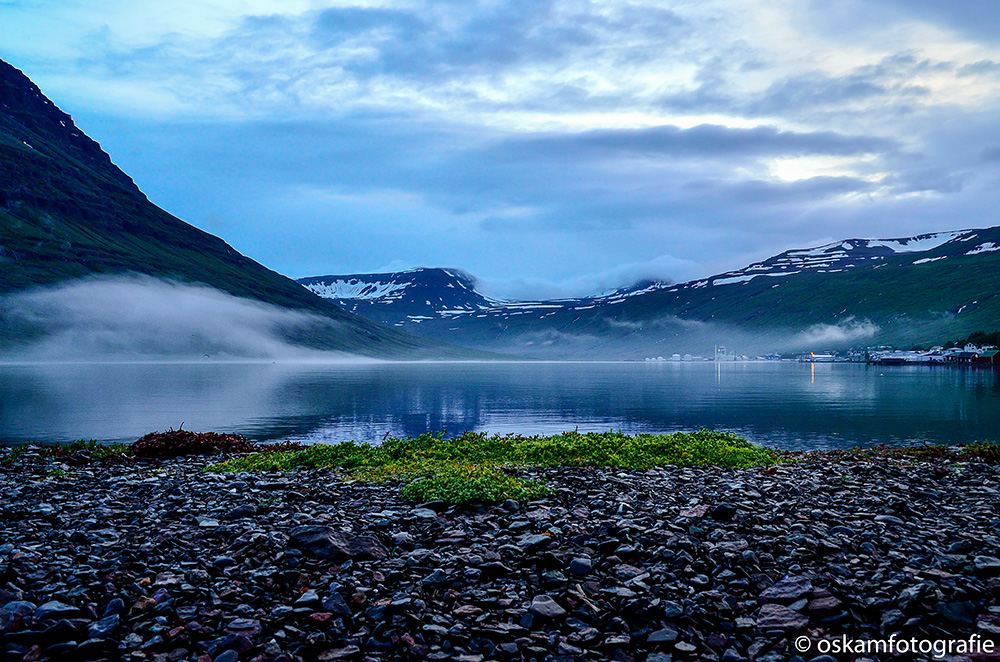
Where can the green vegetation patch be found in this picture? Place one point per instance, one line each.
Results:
(462, 483)
(471, 467)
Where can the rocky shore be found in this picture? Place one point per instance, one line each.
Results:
(157, 560)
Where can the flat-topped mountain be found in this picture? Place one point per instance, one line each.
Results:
(410, 294)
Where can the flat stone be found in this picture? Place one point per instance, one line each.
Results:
(841, 530)
(336, 604)
(960, 613)
(165, 579)
(776, 617)
(345, 653)
(987, 565)
(530, 543)
(892, 617)
(544, 606)
(223, 562)
(788, 589)
(115, 606)
(823, 604)
(327, 543)
(240, 512)
(467, 610)
(308, 599)
(662, 636)
(241, 624)
(697, 512)
(889, 519)
(55, 610)
(103, 628)
(15, 614)
(436, 578)
(672, 609)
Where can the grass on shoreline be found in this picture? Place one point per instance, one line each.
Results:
(477, 466)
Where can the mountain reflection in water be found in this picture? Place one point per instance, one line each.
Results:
(782, 404)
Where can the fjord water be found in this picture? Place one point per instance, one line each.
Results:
(782, 404)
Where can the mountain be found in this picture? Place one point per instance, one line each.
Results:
(911, 290)
(66, 211)
(411, 295)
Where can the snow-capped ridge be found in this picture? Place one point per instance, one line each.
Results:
(424, 294)
(835, 257)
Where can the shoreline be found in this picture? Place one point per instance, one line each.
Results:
(158, 560)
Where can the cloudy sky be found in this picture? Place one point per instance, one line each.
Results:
(551, 147)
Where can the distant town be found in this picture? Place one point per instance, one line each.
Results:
(980, 349)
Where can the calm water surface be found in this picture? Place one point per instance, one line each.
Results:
(790, 405)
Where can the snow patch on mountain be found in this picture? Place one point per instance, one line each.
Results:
(735, 279)
(835, 257)
(356, 289)
(924, 242)
(988, 247)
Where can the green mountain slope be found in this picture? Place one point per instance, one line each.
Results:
(67, 211)
(912, 291)
(921, 298)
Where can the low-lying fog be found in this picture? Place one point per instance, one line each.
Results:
(139, 317)
(130, 318)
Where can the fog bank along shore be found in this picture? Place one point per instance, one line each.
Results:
(159, 560)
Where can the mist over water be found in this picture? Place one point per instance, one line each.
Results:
(114, 358)
(139, 317)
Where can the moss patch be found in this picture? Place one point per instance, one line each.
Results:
(461, 483)
(470, 467)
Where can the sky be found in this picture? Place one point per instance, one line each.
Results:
(549, 147)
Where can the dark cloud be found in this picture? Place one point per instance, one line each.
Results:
(771, 193)
(979, 68)
(886, 84)
(708, 97)
(815, 89)
(976, 18)
(857, 20)
(700, 142)
(991, 154)
(931, 180)
(458, 38)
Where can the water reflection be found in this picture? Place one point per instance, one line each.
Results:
(783, 404)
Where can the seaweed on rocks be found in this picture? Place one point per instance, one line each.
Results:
(177, 443)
